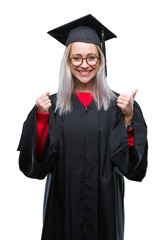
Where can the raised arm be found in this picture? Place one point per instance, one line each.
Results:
(28, 163)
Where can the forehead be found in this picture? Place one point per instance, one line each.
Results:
(83, 48)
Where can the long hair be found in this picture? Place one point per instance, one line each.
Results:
(101, 91)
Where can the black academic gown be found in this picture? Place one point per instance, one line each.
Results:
(85, 161)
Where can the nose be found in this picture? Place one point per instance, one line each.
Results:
(84, 63)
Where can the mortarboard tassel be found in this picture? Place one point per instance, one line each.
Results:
(103, 49)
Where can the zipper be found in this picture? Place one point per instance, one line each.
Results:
(84, 195)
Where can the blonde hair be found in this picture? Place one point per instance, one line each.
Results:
(101, 91)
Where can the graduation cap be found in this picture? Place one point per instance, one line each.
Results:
(86, 29)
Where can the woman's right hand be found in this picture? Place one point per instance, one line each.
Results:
(44, 103)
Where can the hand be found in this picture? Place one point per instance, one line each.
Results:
(125, 102)
(44, 103)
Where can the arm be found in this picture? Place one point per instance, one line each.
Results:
(133, 167)
(28, 163)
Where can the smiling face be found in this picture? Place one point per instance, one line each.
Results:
(85, 73)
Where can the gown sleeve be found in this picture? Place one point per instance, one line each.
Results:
(130, 161)
(29, 165)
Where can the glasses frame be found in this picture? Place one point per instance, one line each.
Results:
(82, 59)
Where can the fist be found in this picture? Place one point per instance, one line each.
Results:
(44, 103)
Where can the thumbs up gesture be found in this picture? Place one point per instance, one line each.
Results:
(125, 103)
(44, 103)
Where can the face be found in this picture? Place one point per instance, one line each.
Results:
(84, 73)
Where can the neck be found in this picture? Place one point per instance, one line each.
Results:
(83, 87)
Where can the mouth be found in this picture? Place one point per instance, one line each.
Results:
(84, 72)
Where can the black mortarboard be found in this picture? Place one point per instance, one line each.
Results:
(86, 29)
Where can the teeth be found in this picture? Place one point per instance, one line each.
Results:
(84, 71)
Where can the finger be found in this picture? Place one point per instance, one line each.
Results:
(134, 94)
(121, 107)
(124, 98)
(45, 98)
(48, 93)
(48, 105)
(120, 101)
(42, 100)
(123, 95)
(47, 102)
(44, 105)
(44, 95)
(45, 108)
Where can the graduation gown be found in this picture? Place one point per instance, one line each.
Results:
(85, 161)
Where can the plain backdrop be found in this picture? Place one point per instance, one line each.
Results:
(29, 66)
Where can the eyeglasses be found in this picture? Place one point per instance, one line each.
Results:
(92, 60)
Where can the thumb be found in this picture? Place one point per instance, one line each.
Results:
(134, 94)
(48, 94)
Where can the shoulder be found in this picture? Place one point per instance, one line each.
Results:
(113, 102)
(115, 94)
(53, 97)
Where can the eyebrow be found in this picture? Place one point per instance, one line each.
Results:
(77, 54)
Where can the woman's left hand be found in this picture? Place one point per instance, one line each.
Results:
(125, 102)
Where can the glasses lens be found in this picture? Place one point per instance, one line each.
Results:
(92, 60)
(76, 61)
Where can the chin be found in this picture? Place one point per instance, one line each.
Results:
(84, 80)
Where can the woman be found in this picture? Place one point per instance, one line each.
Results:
(85, 140)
